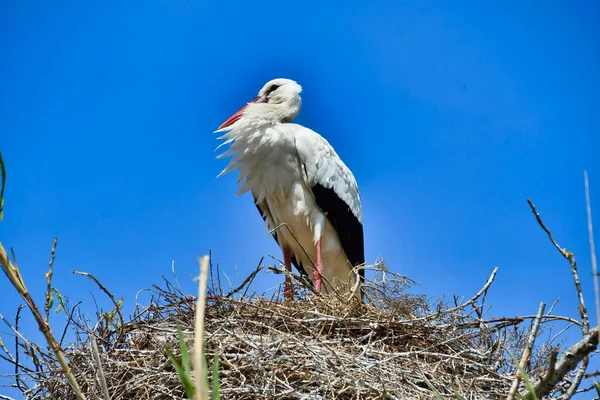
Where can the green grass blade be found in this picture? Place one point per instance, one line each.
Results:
(525, 377)
(215, 377)
(437, 394)
(185, 357)
(185, 379)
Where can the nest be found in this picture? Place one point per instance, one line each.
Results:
(396, 346)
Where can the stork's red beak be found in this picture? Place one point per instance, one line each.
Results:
(235, 117)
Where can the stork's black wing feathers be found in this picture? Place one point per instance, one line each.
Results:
(345, 223)
(294, 260)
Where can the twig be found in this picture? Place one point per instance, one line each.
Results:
(472, 300)
(174, 274)
(101, 377)
(248, 280)
(527, 351)
(112, 298)
(571, 258)
(17, 352)
(585, 325)
(48, 302)
(70, 319)
(578, 377)
(201, 393)
(565, 364)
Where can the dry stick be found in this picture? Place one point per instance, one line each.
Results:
(14, 275)
(571, 258)
(201, 393)
(566, 364)
(101, 377)
(527, 351)
(248, 280)
(47, 305)
(472, 300)
(585, 325)
(112, 298)
(17, 319)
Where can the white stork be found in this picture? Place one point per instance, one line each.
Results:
(298, 182)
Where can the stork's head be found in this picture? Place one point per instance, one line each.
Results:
(278, 101)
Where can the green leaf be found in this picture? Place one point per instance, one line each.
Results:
(61, 300)
(597, 387)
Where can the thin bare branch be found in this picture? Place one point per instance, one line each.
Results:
(117, 305)
(571, 258)
(566, 364)
(101, 377)
(527, 353)
(585, 325)
(248, 280)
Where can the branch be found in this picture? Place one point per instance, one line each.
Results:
(527, 351)
(565, 364)
(472, 300)
(100, 371)
(585, 324)
(248, 280)
(571, 258)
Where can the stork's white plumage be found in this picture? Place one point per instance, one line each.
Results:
(297, 179)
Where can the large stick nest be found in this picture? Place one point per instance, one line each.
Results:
(396, 346)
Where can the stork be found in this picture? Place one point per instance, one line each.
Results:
(307, 196)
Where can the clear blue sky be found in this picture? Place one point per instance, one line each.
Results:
(450, 117)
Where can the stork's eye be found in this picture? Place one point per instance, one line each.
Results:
(272, 89)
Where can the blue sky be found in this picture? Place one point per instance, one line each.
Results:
(450, 118)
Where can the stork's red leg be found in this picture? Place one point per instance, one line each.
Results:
(287, 259)
(317, 275)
